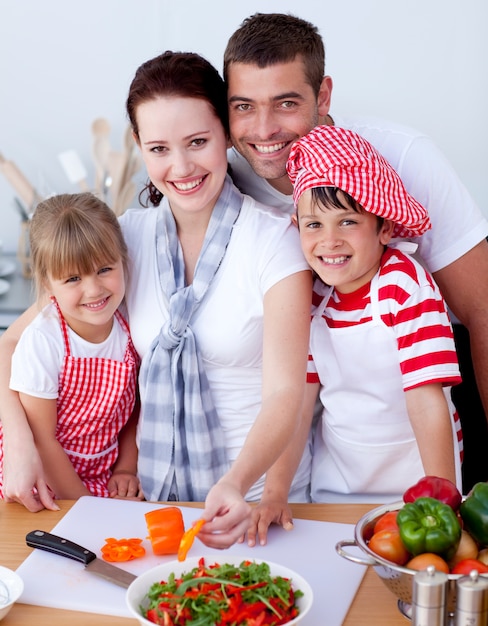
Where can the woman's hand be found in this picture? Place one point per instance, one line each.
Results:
(227, 516)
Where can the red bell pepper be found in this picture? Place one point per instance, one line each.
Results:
(434, 487)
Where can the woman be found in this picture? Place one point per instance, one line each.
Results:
(218, 305)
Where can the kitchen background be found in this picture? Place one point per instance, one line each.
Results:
(65, 64)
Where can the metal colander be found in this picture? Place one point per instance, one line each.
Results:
(398, 579)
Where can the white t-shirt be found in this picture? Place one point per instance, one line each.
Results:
(264, 248)
(38, 357)
(457, 222)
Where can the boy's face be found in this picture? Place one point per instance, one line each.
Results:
(269, 109)
(344, 247)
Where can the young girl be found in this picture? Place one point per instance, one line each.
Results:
(381, 342)
(75, 367)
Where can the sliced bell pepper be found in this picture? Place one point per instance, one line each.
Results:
(428, 525)
(434, 487)
(188, 539)
(166, 528)
(118, 550)
(474, 513)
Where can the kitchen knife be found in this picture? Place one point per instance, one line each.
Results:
(52, 543)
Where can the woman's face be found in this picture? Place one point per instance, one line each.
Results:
(184, 147)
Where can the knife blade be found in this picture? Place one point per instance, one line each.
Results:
(63, 547)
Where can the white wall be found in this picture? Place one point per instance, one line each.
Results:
(421, 62)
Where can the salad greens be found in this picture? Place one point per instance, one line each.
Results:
(222, 595)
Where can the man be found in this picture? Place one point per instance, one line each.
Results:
(277, 92)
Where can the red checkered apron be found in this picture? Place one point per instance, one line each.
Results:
(95, 400)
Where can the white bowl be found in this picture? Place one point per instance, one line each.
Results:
(15, 586)
(138, 589)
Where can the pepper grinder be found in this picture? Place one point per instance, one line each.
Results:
(429, 596)
(471, 600)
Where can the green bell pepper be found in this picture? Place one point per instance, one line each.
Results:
(474, 513)
(428, 525)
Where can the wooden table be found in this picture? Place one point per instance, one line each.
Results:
(374, 604)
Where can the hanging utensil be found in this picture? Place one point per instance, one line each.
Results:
(101, 149)
(19, 182)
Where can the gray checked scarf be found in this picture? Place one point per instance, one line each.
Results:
(181, 444)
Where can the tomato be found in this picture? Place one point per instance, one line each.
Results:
(468, 565)
(386, 522)
(422, 561)
(388, 544)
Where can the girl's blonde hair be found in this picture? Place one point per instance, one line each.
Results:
(73, 234)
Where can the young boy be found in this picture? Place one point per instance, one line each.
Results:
(382, 351)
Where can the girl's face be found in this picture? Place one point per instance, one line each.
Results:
(184, 147)
(342, 246)
(88, 301)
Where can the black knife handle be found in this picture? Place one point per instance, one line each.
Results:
(52, 543)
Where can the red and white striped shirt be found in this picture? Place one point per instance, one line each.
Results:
(411, 304)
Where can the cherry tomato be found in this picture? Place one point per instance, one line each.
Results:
(386, 522)
(388, 544)
(422, 561)
(468, 565)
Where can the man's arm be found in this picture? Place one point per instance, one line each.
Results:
(464, 285)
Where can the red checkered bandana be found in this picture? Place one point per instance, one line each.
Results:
(335, 157)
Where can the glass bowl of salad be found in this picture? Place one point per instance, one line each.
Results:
(225, 590)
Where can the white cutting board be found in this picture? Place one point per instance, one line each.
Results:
(309, 549)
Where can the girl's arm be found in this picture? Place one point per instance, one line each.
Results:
(24, 479)
(60, 474)
(124, 482)
(273, 507)
(285, 351)
(431, 421)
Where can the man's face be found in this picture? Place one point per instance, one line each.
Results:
(269, 109)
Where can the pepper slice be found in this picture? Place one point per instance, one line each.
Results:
(188, 539)
(166, 528)
(428, 525)
(118, 550)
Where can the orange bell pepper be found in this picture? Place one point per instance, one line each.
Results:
(166, 528)
(118, 550)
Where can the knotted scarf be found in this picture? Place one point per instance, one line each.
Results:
(182, 450)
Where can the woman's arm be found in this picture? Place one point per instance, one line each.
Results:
(273, 507)
(24, 479)
(431, 422)
(285, 351)
(59, 471)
